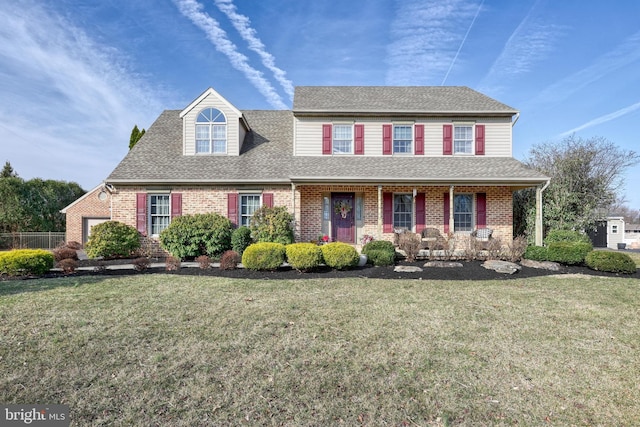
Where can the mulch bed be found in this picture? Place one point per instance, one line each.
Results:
(471, 270)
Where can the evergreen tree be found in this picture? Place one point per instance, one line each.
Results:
(7, 171)
(136, 134)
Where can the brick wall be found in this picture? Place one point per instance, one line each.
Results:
(89, 206)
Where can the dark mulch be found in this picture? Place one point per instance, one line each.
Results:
(471, 270)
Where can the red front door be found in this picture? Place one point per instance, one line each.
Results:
(342, 217)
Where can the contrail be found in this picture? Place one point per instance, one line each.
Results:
(462, 44)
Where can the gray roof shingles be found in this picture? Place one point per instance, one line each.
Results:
(267, 157)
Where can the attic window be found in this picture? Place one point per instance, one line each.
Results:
(211, 132)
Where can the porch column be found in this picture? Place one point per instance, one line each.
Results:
(452, 225)
(296, 217)
(380, 203)
(538, 231)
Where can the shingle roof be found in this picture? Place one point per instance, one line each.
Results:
(267, 157)
(399, 99)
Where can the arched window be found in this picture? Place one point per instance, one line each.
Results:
(211, 132)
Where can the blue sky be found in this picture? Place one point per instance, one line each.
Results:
(76, 75)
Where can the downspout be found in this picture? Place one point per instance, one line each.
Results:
(452, 225)
(539, 224)
(515, 120)
(296, 220)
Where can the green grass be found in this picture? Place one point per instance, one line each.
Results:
(189, 351)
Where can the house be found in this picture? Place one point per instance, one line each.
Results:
(346, 161)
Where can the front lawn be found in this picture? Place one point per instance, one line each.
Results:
(195, 351)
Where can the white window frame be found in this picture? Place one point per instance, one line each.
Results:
(457, 141)
(153, 217)
(410, 213)
(211, 126)
(334, 139)
(245, 217)
(457, 221)
(409, 149)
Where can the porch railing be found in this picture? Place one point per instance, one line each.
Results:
(31, 240)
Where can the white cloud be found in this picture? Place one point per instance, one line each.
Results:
(69, 103)
(243, 25)
(604, 119)
(218, 37)
(425, 35)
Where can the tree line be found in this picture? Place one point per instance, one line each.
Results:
(35, 204)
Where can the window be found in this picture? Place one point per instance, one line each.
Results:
(342, 139)
(463, 212)
(249, 203)
(463, 140)
(211, 132)
(159, 213)
(402, 137)
(402, 211)
(614, 229)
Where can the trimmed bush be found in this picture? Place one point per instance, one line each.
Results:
(68, 265)
(112, 239)
(64, 252)
(536, 253)
(240, 239)
(340, 256)
(304, 256)
(566, 236)
(569, 253)
(613, 262)
(172, 264)
(409, 243)
(380, 252)
(204, 262)
(230, 260)
(263, 256)
(380, 257)
(189, 236)
(141, 263)
(26, 262)
(272, 225)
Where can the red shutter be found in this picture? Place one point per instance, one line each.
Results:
(481, 210)
(176, 204)
(359, 139)
(327, 137)
(480, 140)
(386, 139)
(141, 213)
(447, 140)
(420, 212)
(387, 212)
(232, 207)
(447, 212)
(419, 148)
(267, 199)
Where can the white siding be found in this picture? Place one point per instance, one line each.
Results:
(308, 135)
(233, 125)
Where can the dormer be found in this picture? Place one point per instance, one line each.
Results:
(212, 126)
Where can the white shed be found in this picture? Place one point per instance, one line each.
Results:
(615, 231)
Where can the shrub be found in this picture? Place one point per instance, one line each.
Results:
(240, 239)
(380, 257)
(141, 263)
(189, 236)
(409, 243)
(569, 253)
(380, 252)
(230, 260)
(566, 236)
(172, 263)
(204, 261)
(536, 253)
(272, 225)
(64, 252)
(263, 256)
(516, 249)
(304, 256)
(73, 245)
(112, 239)
(613, 262)
(68, 265)
(339, 255)
(25, 262)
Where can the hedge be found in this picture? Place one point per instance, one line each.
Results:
(613, 262)
(568, 253)
(26, 262)
(340, 255)
(263, 256)
(189, 236)
(380, 252)
(304, 256)
(112, 239)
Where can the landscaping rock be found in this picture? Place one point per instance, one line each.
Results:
(443, 264)
(407, 269)
(544, 265)
(501, 266)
